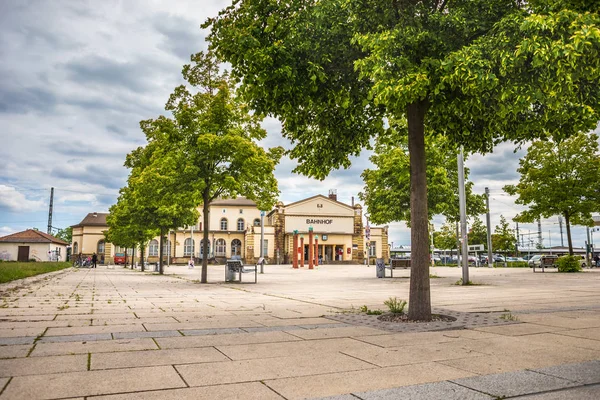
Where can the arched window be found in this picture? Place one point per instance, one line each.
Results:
(167, 247)
(202, 248)
(220, 248)
(257, 222)
(153, 248)
(75, 248)
(241, 224)
(188, 247)
(100, 247)
(223, 224)
(236, 247)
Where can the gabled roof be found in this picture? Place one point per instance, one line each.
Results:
(31, 236)
(238, 201)
(93, 219)
(319, 196)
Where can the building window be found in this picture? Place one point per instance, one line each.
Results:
(188, 247)
(223, 224)
(100, 247)
(75, 248)
(257, 222)
(220, 248)
(236, 247)
(153, 248)
(241, 211)
(372, 247)
(202, 248)
(166, 247)
(240, 224)
(265, 248)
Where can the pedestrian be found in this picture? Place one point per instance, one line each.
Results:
(94, 259)
(191, 263)
(597, 260)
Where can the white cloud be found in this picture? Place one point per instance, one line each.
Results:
(14, 201)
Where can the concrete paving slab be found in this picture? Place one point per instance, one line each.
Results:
(514, 383)
(348, 331)
(360, 381)
(76, 338)
(270, 368)
(408, 339)
(19, 350)
(579, 393)
(7, 341)
(90, 330)
(218, 331)
(585, 373)
(561, 340)
(90, 383)
(16, 332)
(155, 357)
(520, 329)
(42, 365)
(287, 349)
(589, 333)
(144, 334)
(106, 346)
(429, 391)
(293, 321)
(569, 322)
(222, 340)
(246, 391)
(207, 324)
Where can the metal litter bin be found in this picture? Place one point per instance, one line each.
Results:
(156, 268)
(380, 268)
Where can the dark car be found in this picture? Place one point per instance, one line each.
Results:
(120, 258)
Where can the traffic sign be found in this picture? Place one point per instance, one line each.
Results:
(476, 247)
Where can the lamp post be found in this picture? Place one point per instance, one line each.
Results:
(262, 241)
(301, 251)
(316, 249)
(295, 250)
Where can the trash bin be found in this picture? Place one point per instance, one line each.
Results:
(156, 268)
(229, 274)
(380, 270)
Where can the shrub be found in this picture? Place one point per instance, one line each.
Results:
(568, 264)
(395, 305)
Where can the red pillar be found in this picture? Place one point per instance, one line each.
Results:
(311, 250)
(301, 252)
(316, 250)
(295, 252)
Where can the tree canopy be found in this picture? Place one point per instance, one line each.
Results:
(504, 238)
(475, 71)
(560, 178)
(478, 233)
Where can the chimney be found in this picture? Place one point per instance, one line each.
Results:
(95, 214)
(333, 194)
(352, 201)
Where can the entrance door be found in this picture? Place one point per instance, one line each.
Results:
(23, 254)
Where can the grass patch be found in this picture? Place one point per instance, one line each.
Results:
(469, 283)
(509, 317)
(434, 276)
(368, 311)
(10, 271)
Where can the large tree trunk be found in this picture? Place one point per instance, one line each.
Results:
(205, 217)
(419, 301)
(142, 249)
(160, 251)
(568, 224)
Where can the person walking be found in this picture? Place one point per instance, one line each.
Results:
(597, 260)
(94, 260)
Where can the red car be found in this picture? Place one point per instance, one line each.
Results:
(120, 258)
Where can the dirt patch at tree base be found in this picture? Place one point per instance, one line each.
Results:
(391, 317)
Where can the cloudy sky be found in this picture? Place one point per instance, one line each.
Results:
(76, 77)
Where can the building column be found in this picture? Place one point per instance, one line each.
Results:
(311, 253)
(316, 249)
(294, 252)
(301, 251)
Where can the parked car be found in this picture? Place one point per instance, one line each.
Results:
(582, 261)
(534, 261)
(515, 259)
(120, 258)
(498, 258)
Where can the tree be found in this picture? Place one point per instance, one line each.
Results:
(445, 238)
(560, 178)
(216, 135)
(503, 238)
(126, 227)
(387, 188)
(65, 234)
(478, 233)
(333, 71)
(158, 189)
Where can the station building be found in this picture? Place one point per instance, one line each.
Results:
(235, 231)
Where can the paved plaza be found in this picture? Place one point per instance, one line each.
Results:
(113, 333)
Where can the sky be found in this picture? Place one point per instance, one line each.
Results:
(76, 77)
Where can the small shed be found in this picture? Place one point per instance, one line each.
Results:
(32, 245)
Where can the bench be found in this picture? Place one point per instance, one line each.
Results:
(546, 262)
(400, 263)
(380, 268)
(234, 269)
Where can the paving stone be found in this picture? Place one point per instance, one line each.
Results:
(337, 332)
(154, 334)
(269, 368)
(19, 350)
(219, 331)
(206, 324)
(294, 321)
(90, 330)
(590, 333)
(273, 328)
(360, 381)
(520, 329)
(287, 349)
(42, 365)
(429, 391)
(579, 393)
(16, 340)
(514, 383)
(155, 357)
(76, 338)
(585, 373)
(104, 346)
(246, 391)
(408, 339)
(340, 397)
(220, 340)
(558, 339)
(90, 383)
(20, 332)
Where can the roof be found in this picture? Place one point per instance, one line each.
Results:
(239, 201)
(93, 219)
(31, 236)
(322, 197)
